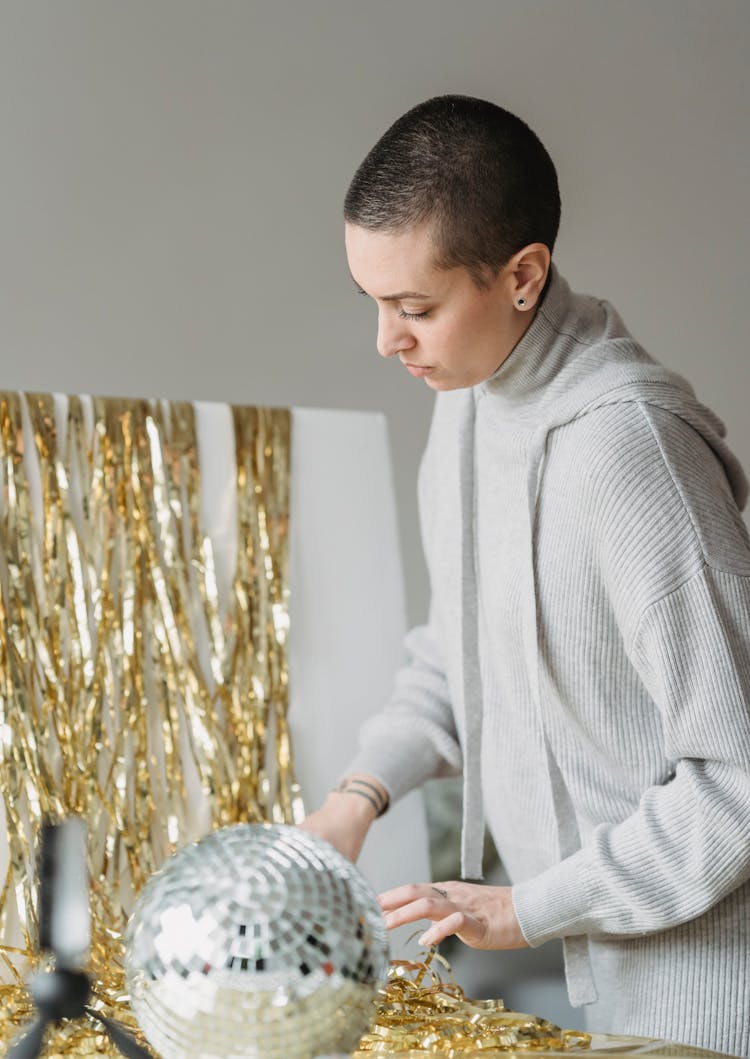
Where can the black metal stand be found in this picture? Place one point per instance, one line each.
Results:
(63, 992)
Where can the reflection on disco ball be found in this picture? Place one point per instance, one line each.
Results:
(259, 940)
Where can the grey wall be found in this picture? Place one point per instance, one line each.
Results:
(171, 177)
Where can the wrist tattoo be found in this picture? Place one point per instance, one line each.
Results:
(352, 785)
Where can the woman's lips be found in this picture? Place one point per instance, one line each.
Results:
(417, 371)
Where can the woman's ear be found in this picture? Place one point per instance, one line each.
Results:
(529, 268)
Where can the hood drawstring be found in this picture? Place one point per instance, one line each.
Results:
(472, 828)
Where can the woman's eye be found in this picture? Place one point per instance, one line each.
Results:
(403, 315)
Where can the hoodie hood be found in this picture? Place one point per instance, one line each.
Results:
(577, 356)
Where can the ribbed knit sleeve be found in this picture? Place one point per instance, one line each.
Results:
(688, 844)
(413, 738)
(673, 556)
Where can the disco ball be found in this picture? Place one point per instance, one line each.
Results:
(258, 941)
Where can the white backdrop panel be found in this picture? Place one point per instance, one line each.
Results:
(348, 617)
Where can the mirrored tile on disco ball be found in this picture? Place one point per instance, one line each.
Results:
(259, 940)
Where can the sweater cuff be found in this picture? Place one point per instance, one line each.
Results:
(554, 904)
(396, 766)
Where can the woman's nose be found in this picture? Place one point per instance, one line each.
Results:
(393, 336)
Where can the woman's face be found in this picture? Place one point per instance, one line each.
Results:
(443, 328)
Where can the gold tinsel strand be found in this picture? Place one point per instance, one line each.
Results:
(118, 671)
(419, 1014)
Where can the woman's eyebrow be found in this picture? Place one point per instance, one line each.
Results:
(394, 297)
(403, 294)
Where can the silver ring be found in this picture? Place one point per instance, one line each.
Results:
(437, 889)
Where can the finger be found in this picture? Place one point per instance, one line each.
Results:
(403, 895)
(455, 923)
(425, 908)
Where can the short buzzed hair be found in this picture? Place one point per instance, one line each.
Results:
(477, 173)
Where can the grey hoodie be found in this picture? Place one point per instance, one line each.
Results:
(586, 664)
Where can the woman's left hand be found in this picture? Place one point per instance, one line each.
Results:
(481, 916)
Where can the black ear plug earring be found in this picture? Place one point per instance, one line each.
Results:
(521, 303)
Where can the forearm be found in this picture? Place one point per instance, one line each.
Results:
(411, 740)
(348, 812)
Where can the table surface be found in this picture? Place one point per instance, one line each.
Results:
(601, 1045)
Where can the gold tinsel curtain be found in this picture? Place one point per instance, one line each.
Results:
(126, 694)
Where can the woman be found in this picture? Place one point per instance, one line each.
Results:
(586, 662)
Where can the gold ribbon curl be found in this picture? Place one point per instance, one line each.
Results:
(418, 1014)
(119, 675)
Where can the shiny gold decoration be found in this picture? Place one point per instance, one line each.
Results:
(124, 690)
(272, 942)
(419, 1014)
